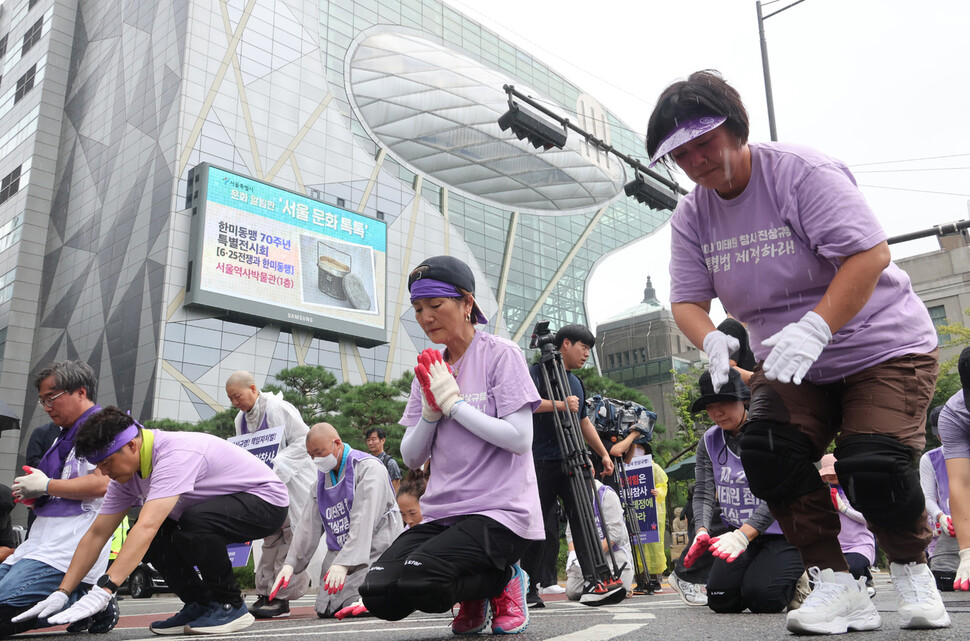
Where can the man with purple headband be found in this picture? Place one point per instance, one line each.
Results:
(783, 237)
(198, 493)
(65, 493)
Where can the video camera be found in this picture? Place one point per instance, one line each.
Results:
(613, 419)
(542, 337)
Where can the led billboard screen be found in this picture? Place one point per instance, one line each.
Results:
(262, 252)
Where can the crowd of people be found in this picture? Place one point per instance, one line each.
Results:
(811, 356)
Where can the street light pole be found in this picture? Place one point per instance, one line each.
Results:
(767, 73)
(764, 62)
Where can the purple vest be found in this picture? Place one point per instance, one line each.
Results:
(942, 480)
(244, 428)
(603, 489)
(336, 501)
(734, 495)
(54, 463)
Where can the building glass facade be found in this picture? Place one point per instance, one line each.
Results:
(108, 104)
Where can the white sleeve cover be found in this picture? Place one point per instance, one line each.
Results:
(416, 444)
(512, 432)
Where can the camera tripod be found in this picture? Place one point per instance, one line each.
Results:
(602, 577)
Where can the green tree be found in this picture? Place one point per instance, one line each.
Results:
(355, 409)
(307, 388)
(222, 424)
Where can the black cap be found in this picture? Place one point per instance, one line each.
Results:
(733, 390)
(935, 420)
(964, 368)
(448, 269)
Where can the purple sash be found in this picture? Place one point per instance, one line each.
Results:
(335, 502)
(244, 428)
(53, 464)
(737, 501)
(942, 480)
(603, 489)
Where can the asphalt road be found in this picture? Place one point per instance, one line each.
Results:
(662, 616)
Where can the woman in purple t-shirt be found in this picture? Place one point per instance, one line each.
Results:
(470, 413)
(784, 238)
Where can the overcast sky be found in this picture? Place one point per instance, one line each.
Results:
(871, 82)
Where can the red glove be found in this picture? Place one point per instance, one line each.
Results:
(425, 360)
(835, 497)
(697, 549)
(355, 609)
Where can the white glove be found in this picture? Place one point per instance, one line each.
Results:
(54, 603)
(31, 485)
(428, 412)
(282, 580)
(333, 582)
(729, 546)
(571, 559)
(795, 348)
(719, 347)
(840, 503)
(944, 524)
(962, 581)
(444, 387)
(94, 601)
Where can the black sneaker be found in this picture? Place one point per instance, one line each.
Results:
(263, 608)
(606, 593)
(107, 619)
(533, 600)
(176, 623)
(221, 618)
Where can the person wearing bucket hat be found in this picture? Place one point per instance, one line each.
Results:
(954, 433)
(944, 551)
(783, 237)
(470, 414)
(755, 567)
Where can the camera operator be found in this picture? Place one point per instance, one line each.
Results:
(574, 343)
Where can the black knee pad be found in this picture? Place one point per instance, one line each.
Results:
(778, 460)
(878, 477)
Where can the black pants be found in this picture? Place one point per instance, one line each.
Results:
(540, 557)
(858, 565)
(430, 567)
(697, 573)
(199, 539)
(762, 579)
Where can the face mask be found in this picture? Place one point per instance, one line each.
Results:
(325, 463)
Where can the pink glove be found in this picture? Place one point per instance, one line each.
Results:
(355, 609)
(944, 525)
(729, 546)
(697, 549)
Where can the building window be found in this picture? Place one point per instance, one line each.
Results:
(9, 185)
(31, 3)
(32, 36)
(611, 361)
(3, 344)
(341, 203)
(24, 84)
(6, 285)
(3, 46)
(938, 316)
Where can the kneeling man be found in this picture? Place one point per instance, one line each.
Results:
(353, 507)
(199, 493)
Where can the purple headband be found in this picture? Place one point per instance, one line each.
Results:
(431, 288)
(685, 131)
(120, 439)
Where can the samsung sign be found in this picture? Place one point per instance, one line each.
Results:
(261, 252)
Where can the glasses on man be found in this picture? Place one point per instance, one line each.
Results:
(49, 401)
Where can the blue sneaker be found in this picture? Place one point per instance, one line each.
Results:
(221, 618)
(176, 624)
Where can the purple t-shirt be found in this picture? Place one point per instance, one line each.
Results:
(855, 536)
(470, 475)
(770, 254)
(197, 467)
(954, 424)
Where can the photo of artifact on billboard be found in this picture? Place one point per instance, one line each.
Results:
(261, 252)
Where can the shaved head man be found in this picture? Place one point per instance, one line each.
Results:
(259, 411)
(352, 487)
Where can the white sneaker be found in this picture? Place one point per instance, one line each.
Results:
(689, 592)
(838, 603)
(920, 605)
(552, 589)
